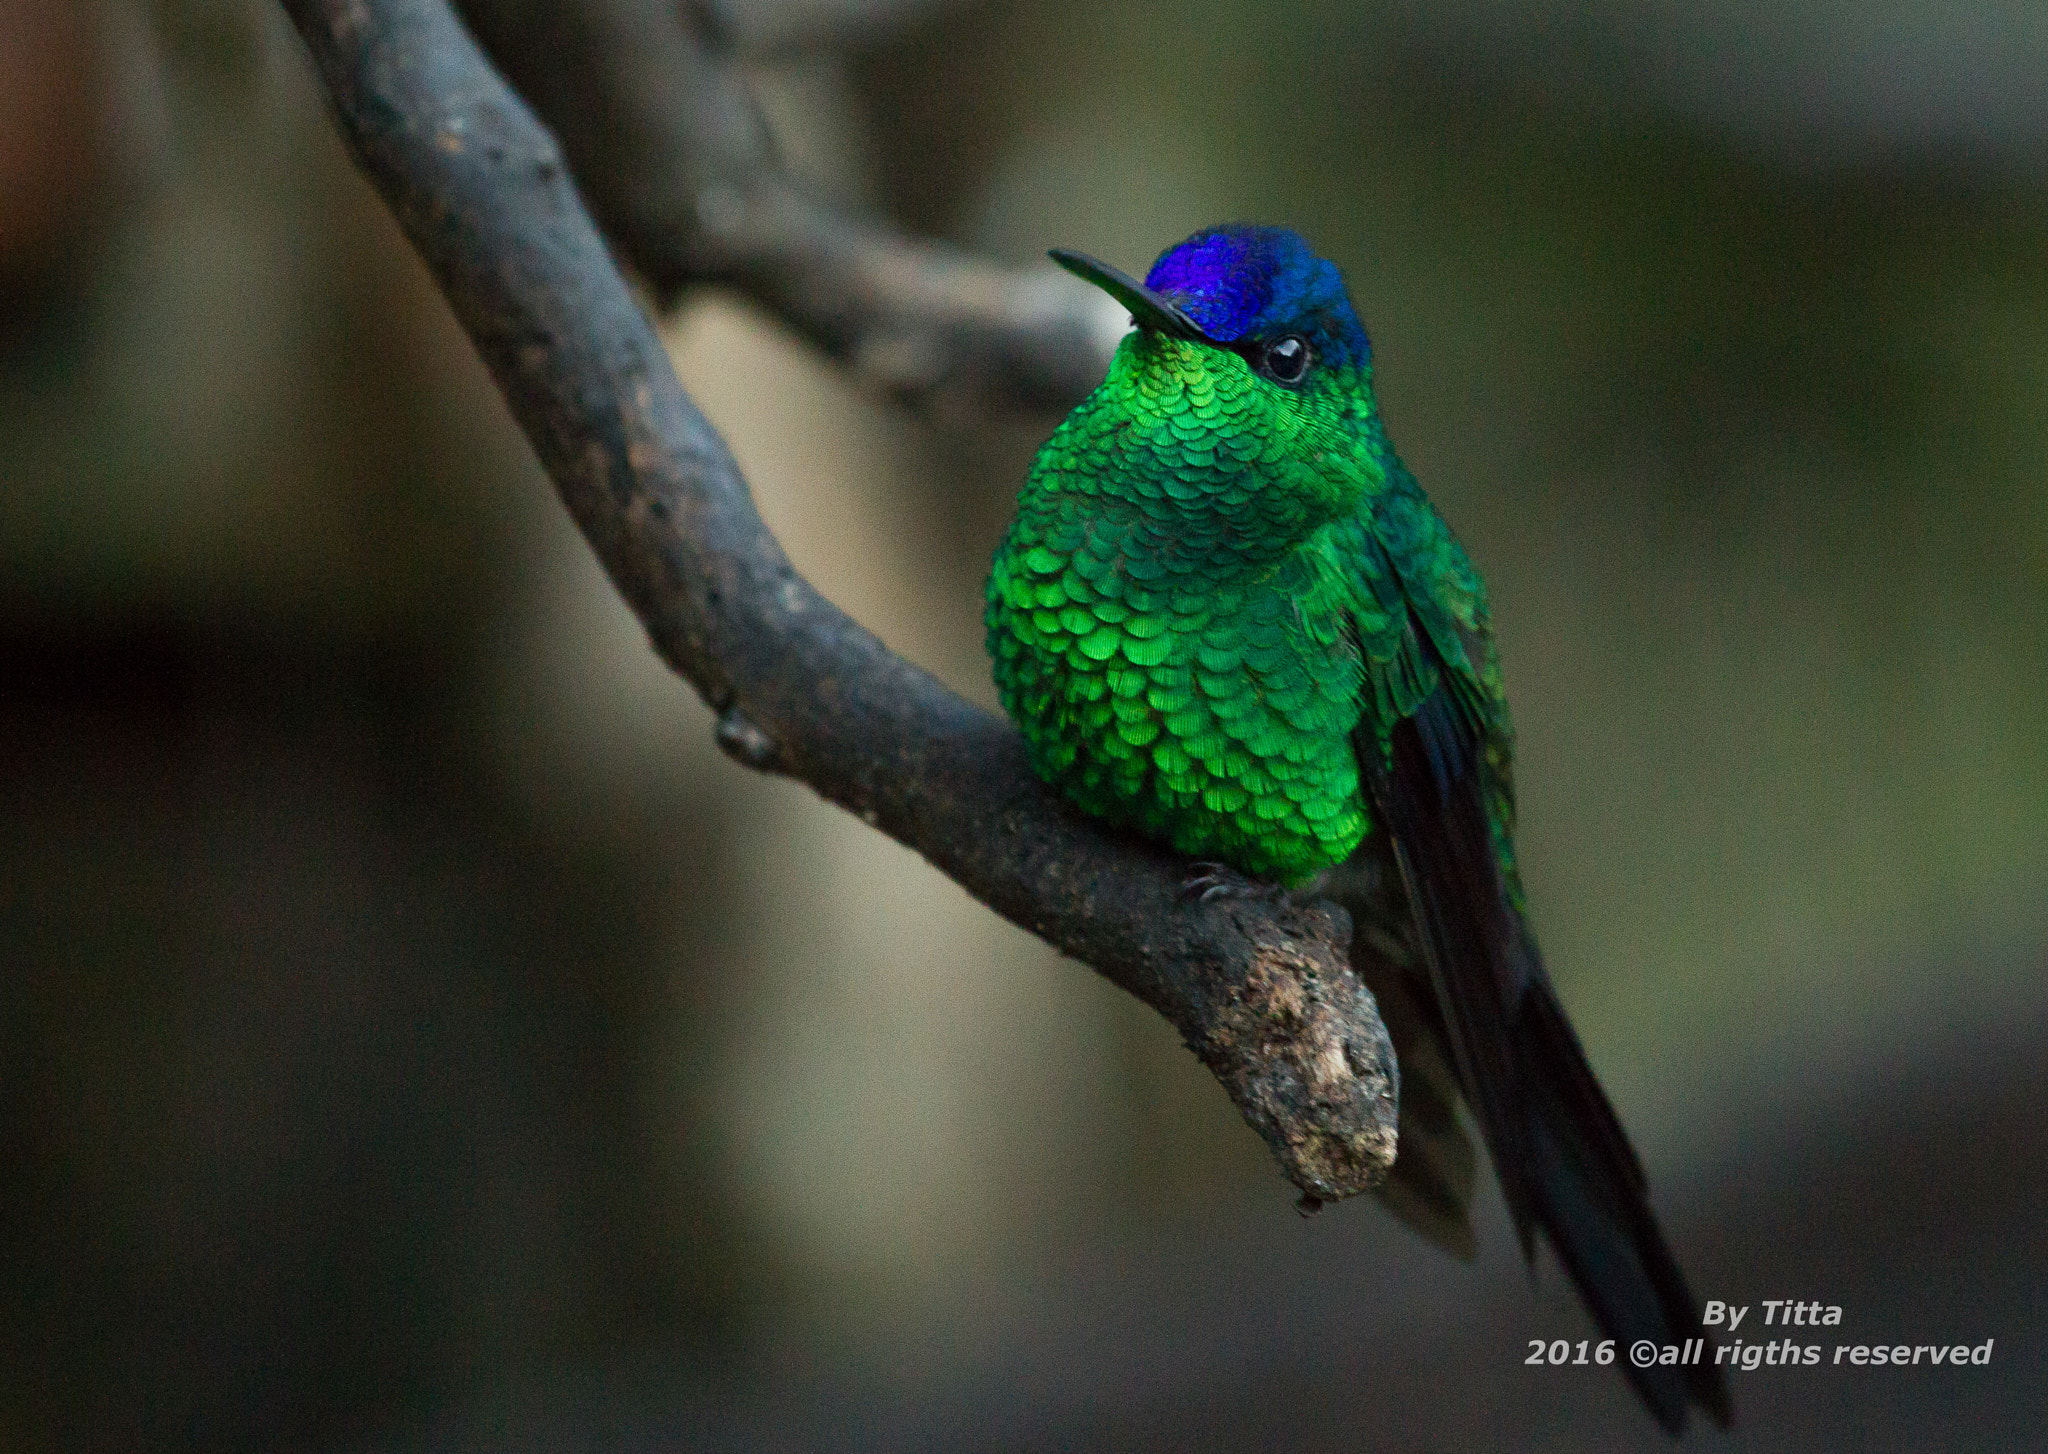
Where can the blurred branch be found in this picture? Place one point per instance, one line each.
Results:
(763, 28)
(666, 143)
(1262, 991)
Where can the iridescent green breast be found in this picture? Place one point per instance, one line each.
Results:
(1209, 708)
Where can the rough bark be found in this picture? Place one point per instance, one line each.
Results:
(1262, 990)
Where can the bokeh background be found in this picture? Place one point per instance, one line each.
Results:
(415, 1035)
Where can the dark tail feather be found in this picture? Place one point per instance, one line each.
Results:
(1430, 1185)
(1594, 1206)
(1564, 1163)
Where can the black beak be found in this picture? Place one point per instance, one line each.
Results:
(1148, 309)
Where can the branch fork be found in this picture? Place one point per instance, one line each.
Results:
(1261, 989)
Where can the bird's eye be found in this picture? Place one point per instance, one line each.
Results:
(1285, 360)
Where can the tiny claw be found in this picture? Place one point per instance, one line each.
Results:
(1204, 882)
(1211, 881)
(1309, 1204)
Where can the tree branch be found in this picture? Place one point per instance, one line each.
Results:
(1262, 991)
(761, 28)
(664, 137)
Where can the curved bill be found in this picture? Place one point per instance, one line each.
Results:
(1148, 309)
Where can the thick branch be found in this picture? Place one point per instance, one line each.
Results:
(663, 136)
(1262, 991)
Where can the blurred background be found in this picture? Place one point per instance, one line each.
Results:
(415, 1035)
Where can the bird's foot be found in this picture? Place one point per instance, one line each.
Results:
(1220, 881)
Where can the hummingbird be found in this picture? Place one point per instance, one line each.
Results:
(1226, 618)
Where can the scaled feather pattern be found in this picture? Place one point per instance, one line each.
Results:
(1227, 618)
